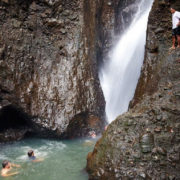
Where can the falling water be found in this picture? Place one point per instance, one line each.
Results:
(119, 76)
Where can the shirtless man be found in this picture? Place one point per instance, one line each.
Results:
(7, 166)
(32, 157)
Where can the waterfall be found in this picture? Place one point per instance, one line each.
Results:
(120, 74)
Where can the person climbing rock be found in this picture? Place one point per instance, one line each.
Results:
(175, 28)
(32, 157)
(7, 167)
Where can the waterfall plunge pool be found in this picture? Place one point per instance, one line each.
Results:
(63, 160)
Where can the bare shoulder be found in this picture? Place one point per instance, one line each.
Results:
(4, 172)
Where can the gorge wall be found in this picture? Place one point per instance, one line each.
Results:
(48, 67)
(50, 51)
(144, 143)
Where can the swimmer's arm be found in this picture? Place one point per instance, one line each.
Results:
(38, 160)
(16, 165)
(9, 174)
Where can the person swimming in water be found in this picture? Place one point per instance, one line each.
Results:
(32, 157)
(7, 167)
(92, 134)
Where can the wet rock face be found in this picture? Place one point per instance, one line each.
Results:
(11, 135)
(144, 143)
(158, 42)
(48, 63)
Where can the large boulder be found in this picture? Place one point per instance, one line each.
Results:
(144, 143)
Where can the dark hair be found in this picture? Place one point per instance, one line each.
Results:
(172, 7)
(5, 163)
(30, 153)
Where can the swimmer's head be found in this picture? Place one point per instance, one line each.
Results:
(30, 153)
(173, 10)
(6, 164)
(92, 134)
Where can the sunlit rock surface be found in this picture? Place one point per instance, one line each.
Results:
(48, 63)
(144, 143)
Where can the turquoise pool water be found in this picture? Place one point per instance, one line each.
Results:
(63, 160)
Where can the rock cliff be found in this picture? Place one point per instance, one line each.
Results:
(144, 143)
(48, 67)
(50, 51)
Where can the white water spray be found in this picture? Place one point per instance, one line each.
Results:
(119, 76)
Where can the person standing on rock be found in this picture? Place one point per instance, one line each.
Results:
(175, 28)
